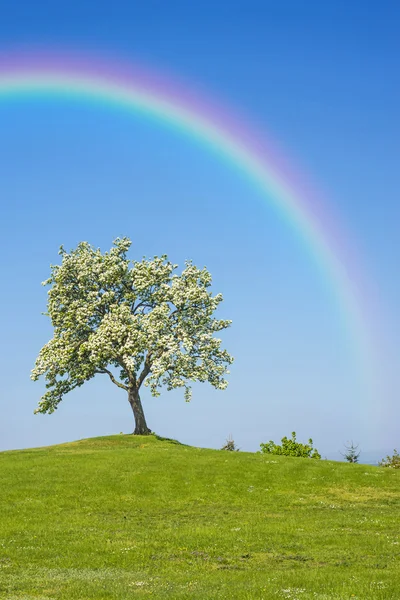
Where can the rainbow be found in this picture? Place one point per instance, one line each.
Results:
(162, 98)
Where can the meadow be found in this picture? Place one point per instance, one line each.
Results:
(140, 516)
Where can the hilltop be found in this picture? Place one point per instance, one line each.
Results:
(139, 516)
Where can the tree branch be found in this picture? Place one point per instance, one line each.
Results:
(141, 304)
(111, 376)
(145, 372)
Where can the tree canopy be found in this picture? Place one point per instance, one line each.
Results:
(136, 322)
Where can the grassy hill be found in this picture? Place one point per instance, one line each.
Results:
(136, 517)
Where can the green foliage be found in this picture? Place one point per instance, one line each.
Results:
(393, 462)
(290, 447)
(351, 454)
(230, 445)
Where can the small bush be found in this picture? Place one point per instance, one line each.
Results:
(290, 447)
(351, 454)
(393, 462)
(230, 445)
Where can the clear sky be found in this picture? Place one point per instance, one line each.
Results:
(319, 79)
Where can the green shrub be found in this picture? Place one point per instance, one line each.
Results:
(290, 447)
(351, 454)
(392, 462)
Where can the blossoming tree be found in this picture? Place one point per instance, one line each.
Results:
(139, 323)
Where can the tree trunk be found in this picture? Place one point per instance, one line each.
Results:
(140, 420)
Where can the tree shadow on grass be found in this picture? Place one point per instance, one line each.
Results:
(172, 441)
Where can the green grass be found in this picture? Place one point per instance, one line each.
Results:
(136, 517)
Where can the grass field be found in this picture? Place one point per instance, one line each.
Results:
(136, 517)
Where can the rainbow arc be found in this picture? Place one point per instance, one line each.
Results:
(138, 90)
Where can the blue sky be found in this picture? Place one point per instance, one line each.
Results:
(322, 82)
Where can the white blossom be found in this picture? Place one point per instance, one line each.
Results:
(137, 322)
